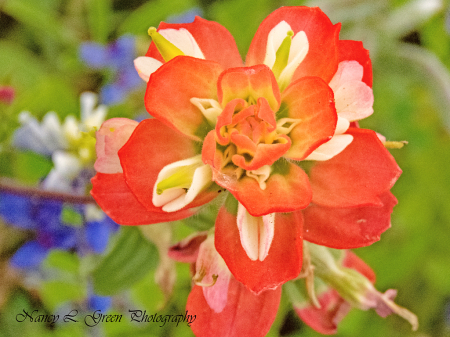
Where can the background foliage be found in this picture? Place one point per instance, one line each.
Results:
(409, 43)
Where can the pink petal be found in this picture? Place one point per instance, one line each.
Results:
(111, 136)
(187, 249)
(354, 98)
(353, 50)
(145, 66)
(213, 274)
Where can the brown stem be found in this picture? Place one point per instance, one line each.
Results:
(9, 186)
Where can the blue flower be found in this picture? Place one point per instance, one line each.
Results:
(185, 17)
(117, 57)
(29, 256)
(102, 303)
(98, 233)
(44, 217)
(17, 210)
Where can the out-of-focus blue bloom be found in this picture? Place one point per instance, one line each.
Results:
(117, 57)
(122, 52)
(97, 302)
(94, 55)
(51, 231)
(44, 217)
(185, 17)
(98, 233)
(17, 210)
(29, 256)
(112, 93)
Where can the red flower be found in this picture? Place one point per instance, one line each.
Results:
(253, 130)
(222, 305)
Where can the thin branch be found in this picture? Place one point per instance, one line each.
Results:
(7, 185)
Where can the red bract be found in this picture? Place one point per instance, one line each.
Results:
(274, 133)
(223, 306)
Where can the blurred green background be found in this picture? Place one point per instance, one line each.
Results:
(409, 43)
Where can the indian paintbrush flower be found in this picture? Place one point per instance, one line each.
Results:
(278, 133)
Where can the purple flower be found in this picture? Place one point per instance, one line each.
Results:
(118, 58)
(185, 17)
(102, 303)
(29, 256)
(52, 231)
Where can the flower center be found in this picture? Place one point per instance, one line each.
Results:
(249, 139)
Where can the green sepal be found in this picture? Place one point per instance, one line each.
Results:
(351, 285)
(206, 217)
(231, 204)
(297, 293)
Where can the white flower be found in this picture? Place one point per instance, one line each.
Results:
(69, 144)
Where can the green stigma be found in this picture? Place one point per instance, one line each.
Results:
(167, 49)
(282, 55)
(182, 178)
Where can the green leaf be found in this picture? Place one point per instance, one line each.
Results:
(152, 13)
(99, 15)
(147, 294)
(50, 93)
(20, 302)
(55, 293)
(19, 64)
(39, 20)
(30, 167)
(234, 15)
(129, 260)
(71, 217)
(62, 260)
